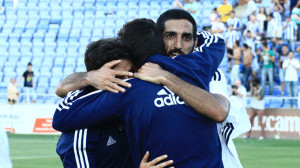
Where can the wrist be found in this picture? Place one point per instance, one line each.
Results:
(167, 78)
(87, 78)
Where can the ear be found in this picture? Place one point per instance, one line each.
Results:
(196, 42)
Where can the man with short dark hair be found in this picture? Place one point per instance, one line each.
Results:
(28, 83)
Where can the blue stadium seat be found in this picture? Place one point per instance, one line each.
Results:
(37, 60)
(74, 35)
(59, 62)
(71, 61)
(26, 57)
(109, 23)
(86, 32)
(68, 70)
(8, 69)
(88, 23)
(2, 61)
(13, 59)
(155, 7)
(14, 37)
(77, 24)
(50, 47)
(56, 71)
(143, 13)
(132, 13)
(54, 81)
(4, 46)
(4, 55)
(38, 54)
(80, 68)
(26, 37)
(41, 89)
(108, 33)
(51, 90)
(61, 47)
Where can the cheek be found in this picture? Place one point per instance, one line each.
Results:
(188, 47)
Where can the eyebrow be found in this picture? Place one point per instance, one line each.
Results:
(167, 32)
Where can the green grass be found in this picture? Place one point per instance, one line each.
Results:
(38, 151)
(34, 151)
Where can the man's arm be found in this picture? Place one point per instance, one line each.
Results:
(19, 80)
(213, 106)
(79, 110)
(103, 79)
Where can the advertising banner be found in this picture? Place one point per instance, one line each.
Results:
(279, 124)
(27, 118)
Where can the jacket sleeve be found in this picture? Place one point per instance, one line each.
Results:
(87, 110)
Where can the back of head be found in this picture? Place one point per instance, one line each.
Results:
(174, 14)
(256, 81)
(265, 45)
(245, 46)
(138, 35)
(104, 50)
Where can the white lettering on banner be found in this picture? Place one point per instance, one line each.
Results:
(279, 123)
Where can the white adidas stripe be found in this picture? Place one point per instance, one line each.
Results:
(75, 149)
(80, 149)
(84, 148)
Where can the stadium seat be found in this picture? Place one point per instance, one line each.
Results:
(61, 47)
(68, 70)
(54, 81)
(41, 89)
(4, 46)
(59, 62)
(13, 58)
(37, 60)
(50, 46)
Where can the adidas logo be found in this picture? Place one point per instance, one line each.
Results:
(110, 141)
(167, 99)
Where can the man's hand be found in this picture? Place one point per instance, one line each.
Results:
(152, 164)
(105, 78)
(151, 72)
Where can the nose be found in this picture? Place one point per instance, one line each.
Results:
(178, 43)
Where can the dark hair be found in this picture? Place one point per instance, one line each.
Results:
(174, 14)
(245, 45)
(29, 64)
(237, 42)
(215, 9)
(265, 45)
(104, 50)
(256, 81)
(232, 12)
(138, 35)
(271, 15)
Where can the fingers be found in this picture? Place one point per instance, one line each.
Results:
(146, 157)
(164, 164)
(112, 63)
(122, 83)
(158, 159)
(111, 90)
(122, 73)
(115, 87)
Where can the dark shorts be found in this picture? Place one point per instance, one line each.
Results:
(229, 51)
(12, 101)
